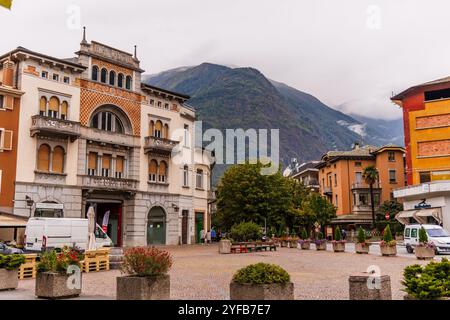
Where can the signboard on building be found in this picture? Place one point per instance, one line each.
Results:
(49, 206)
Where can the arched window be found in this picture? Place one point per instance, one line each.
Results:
(186, 176)
(104, 75)
(120, 80)
(44, 158)
(152, 129)
(112, 78)
(199, 179)
(158, 129)
(94, 73)
(152, 170)
(165, 134)
(162, 176)
(64, 110)
(53, 107)
(43, 106)
(129, 83)
(58, 160)
(107, 121)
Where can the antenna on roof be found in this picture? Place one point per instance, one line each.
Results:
(84, 36)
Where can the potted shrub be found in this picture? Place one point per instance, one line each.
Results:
(9, 265)
(430, 282)
(146, 275)
(59, 274)
(338, 243)
(305, 242)
(261, 282)
(293, 242)
(362, 246)
(424, 250)
(388, 245)
(321, 243)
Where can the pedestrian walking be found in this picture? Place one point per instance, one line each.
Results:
(202, 236)
(344, 234)
(208, 237)
(213, 235)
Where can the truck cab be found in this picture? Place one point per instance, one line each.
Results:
(436, 234)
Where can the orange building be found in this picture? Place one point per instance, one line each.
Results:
(9, 123)
(341, 180)
(426, 114)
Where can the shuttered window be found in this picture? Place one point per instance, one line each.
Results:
(58, 160)
(44, 158)
(162, 172)
(64, 109)
(158, 129)
(53, 107)
(152, 129)
(166, 132)
(7, 140)
(42, 106)
(106, 165)
(119, 167)
(92, 164)
(152, 170)
(9, 102)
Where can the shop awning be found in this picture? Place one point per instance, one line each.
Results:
(404, 216)
(8, 221)
(435, 213)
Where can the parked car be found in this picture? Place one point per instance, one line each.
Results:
(436, 234)
(5, 250)
(55, 233)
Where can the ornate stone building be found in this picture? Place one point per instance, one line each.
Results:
(91, 134)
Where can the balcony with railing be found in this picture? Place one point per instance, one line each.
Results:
(159, 145)
(52, 127)
(327, 191)
(109, 183)
(363, 185)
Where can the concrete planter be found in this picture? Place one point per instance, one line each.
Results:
(362, 248)
(424, 253)
(55, 286)
(225, 247)
(143, 288)
(274, 291)
(8, 280)
(305, 245)
(293, 244)
(284, 243)
(388, 251)
(339, 246)
(360, 290)
(321, 246)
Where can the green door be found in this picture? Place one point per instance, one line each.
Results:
(199, 226)
(156, 228)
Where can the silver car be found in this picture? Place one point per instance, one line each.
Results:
(5, 250)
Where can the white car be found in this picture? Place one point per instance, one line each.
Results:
(436, 234)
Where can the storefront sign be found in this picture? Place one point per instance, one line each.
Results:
(49, 206)
(423, 205)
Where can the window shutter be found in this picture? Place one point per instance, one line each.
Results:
(163, 169)
(9, 102)
(43, 105)
(92, 161)
(64, 107)
(58, 160)
(106, 162)
(7, 140)
(153, 167)
(119, 164)
(54, 104)
(44, 158)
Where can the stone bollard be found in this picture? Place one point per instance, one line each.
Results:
(366, 286)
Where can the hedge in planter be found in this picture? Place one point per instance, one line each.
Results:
(362, 246)
(321, 243)
(424, 250)
(305, 242)
(9, 265)
(261, 282)
(338, 243)
(388, 246)
(430, 282)
(147, 278)
(59, 274)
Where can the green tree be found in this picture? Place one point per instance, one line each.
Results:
(370, 176)
(387, 235)
(423, 236)
(361, 235)
(246, 231)
(245, 195)
(317, 209)
(304, 235)
(337, 234)
(391, 208)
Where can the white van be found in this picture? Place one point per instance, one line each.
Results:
(48, 233)
(436, 234)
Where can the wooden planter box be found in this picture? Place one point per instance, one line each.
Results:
(388, 251)
(96, 260)
(274, 291)
(322, 246)
(424, 253)
(225, 247)
(8, 280)
(143, 288)
(305, 245)
(55, 286)
(339, 246)
(362, 248)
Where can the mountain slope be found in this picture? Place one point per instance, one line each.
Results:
(230, 98)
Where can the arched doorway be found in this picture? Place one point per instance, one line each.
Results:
(156, 227)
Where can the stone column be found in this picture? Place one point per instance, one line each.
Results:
(366, 286)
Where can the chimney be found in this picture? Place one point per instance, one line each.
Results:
(8, 73)
(356, 146)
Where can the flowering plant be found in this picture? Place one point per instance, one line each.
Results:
(146, 262)
(54, 261)
(320, 239)
(388, 240)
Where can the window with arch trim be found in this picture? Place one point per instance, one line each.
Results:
(43, 106)
(44, 158)
(152, 170)
(120, 80)
(162, 174)
(107, 121)
(58, 160)
(129, 83)
(53, 107)
(185, 176)
(112, 78)
(104, 75)
(158, 129)
(94, 75)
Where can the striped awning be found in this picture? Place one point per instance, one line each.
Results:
(422, 215)
(404, 216)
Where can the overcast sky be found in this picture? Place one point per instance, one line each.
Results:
(348, 53)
